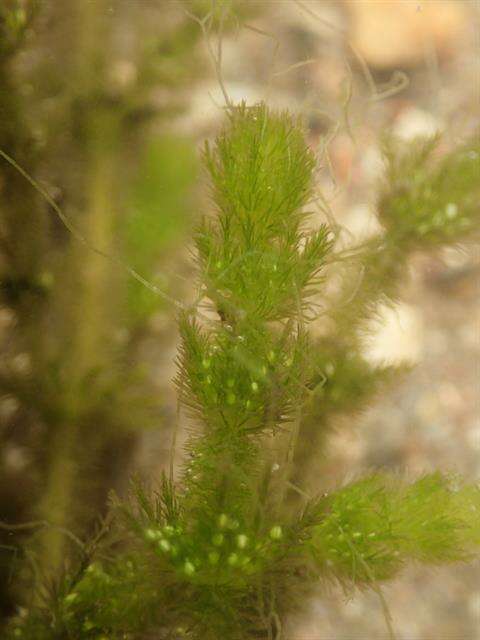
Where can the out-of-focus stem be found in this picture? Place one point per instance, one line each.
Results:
(85, 305)
(88, 351)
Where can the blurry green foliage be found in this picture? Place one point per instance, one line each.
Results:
(425, 205)
(15, 16)
(374, 526)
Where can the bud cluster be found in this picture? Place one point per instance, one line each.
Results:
(214, 554)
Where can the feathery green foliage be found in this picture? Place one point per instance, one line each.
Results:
(259, 260)
(374, 526)
(224, 551)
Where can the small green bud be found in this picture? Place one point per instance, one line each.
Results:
(329, 368)
(213, 557)
(189, 568)
(71, 597)
(231, 398)
(217, 539)
(233, 559)
(164, 545)
(151, 534)
(20, 17)
(242, 541)
(92, 568)
(254, 387)
(276, 532)
(357, 534)
(451, 210)
(206, 363)
(223, 520)
(46, 279)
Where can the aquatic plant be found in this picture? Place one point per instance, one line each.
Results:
(230, 547)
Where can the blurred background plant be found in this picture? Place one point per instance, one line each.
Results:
(103, 104)
(88, 91)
